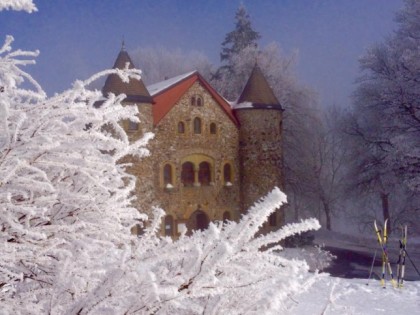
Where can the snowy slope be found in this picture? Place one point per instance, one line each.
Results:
(340, 296)
(337, 295)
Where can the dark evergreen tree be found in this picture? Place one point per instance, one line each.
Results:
(241, 38)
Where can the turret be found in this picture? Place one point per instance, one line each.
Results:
(136, 92)
(260, 141)
(136, 95)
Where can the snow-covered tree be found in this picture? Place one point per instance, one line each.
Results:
(159, 63)
(63, 200)
(326, 157)
(65, 219)
(387, 111)
(221, 270)
(18, 5)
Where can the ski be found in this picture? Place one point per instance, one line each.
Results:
(382, 240)
(401, 257)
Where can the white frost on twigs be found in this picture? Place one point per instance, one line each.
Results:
(66, 215)
(18, 5)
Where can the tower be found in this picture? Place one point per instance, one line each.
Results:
(260, 142)
(136, 95)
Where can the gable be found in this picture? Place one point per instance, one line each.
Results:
(167, 93)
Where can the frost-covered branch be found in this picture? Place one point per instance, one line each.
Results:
(63, 200)
(18, 5)
(66, 215)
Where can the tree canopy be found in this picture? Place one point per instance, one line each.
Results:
(241, 37)
(238, 42)
(386, 114)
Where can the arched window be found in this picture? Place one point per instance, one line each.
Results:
(226, 216)
(132, 126)
(167, 174)
(213, 128)
(197, 125)
(202, 221)
(272, 219)
(181, 127)
(198, 221)
(204, 176)
(169, 225)
(197, 100)
(227, 173)
(187, 174)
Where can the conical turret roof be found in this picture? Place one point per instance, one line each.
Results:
(134, 89)
(257, 93)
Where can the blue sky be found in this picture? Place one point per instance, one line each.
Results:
(80, 37)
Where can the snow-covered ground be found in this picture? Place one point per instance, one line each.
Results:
(332, 295)
(360, 295)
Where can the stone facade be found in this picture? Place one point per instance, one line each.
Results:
(174, 148)
(260, 156)
(209, 161)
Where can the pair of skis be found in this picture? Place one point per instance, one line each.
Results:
(382, 237)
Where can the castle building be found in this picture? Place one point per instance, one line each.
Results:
(210, 160)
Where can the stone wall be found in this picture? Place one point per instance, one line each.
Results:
(174, 148)
(142, 168)
(260, 153)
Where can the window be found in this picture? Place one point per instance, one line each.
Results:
(167, 174)
(272, 220)
(169, 225)
(204, 173)
(197, 125)
(197, 100)
(226, 217)
(202, 222)
(227, 174)
(187, 174)
(181, 127)
(132, 126)
(213, 128)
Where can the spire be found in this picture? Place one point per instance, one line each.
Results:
(257, 92)
(135, 89)
(123, 44)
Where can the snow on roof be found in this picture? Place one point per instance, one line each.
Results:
(158, 87)
(235, 105)
(248, 104)
(230, 103)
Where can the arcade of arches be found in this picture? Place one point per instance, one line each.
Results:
(197, 170)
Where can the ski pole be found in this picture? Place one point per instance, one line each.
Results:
(371, 267)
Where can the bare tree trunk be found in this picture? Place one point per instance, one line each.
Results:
(385, 209)
(327, 211)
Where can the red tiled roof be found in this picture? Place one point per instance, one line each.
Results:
(165, 99)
